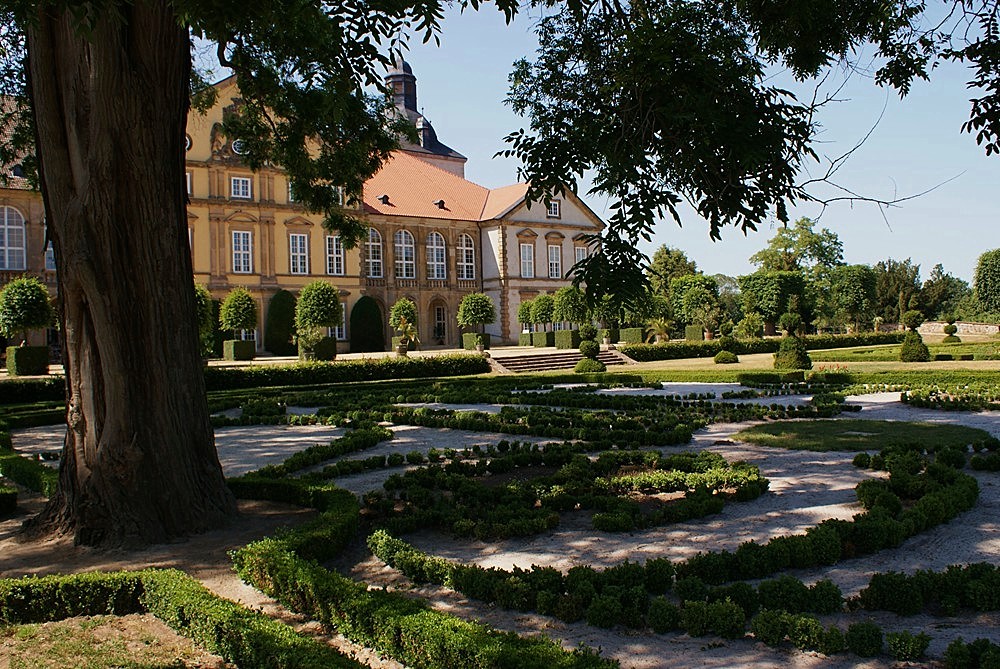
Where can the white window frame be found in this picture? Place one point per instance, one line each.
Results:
(555, 261)
(553, 209)
(437, 257)
(466, 258)
(13, 231)
(298, 253)
(334, 255)
(374, 266)
(405, 252)
(242, 245)
(240, 188)
(246, 335)
(527, 261)
(188, 182)
(340, 331)
(581, 252)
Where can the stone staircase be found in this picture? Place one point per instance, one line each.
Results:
(547, 359)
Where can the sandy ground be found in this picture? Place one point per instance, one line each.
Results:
(805, 489)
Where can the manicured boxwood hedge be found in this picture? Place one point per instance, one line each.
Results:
(29, 473)
(27, 360)
(708, 349)
(258, 376)
(248, 639)
(567, 338)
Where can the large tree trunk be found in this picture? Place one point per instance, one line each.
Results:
(139, 463)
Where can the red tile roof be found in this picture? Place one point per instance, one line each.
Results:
(415, 187)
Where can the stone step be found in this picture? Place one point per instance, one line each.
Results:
(545, 361)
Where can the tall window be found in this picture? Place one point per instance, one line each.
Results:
(242, 252)
(581, 253)
(436, 257)
(240, 188)
(406, 255)
(466, 258)
(440, 321)
(373, 258)
(334, 255)
(553, 210)
(555, 261)
(528, 261)
(339, 332)
(298, 254)
(246, 335)
(11, 238)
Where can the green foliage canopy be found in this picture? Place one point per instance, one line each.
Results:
(206, 320)
(770, 293)
(477, 309)
(542, 309)
(799, 247)
(403, 308)
(987, 280)
(666, 265)
(238, 311)
(24, 305)
(570, 304)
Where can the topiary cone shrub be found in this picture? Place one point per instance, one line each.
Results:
(279, 327)
(913, 349)
(792, 354)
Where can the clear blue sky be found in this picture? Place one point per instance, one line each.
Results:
(462, 84)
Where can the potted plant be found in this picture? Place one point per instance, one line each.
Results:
(407, 336)
(403, 311)
(24, 306)
(238, 312)
(476, 311)
(318, 307)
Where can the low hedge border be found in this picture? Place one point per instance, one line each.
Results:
(372, 369)
(287, 567)
(29, 473)
(246, 638)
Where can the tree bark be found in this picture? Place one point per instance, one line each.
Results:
(139, 463)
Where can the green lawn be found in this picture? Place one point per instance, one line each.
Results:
(856, 435)
(891, 352)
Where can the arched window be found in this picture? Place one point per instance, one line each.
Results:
(436, 257)
(11, 238)
(406, 255)
(466, 258)
(373, 258)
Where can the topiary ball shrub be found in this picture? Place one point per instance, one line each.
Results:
(587, 332)
(728, 343)
(914, 349)
(589, 366)
(590, 348)
(864, 639)
(792, 354)
(604, 611)
(726, 358)
(950, 329)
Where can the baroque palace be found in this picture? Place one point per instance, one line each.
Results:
(433, 235)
